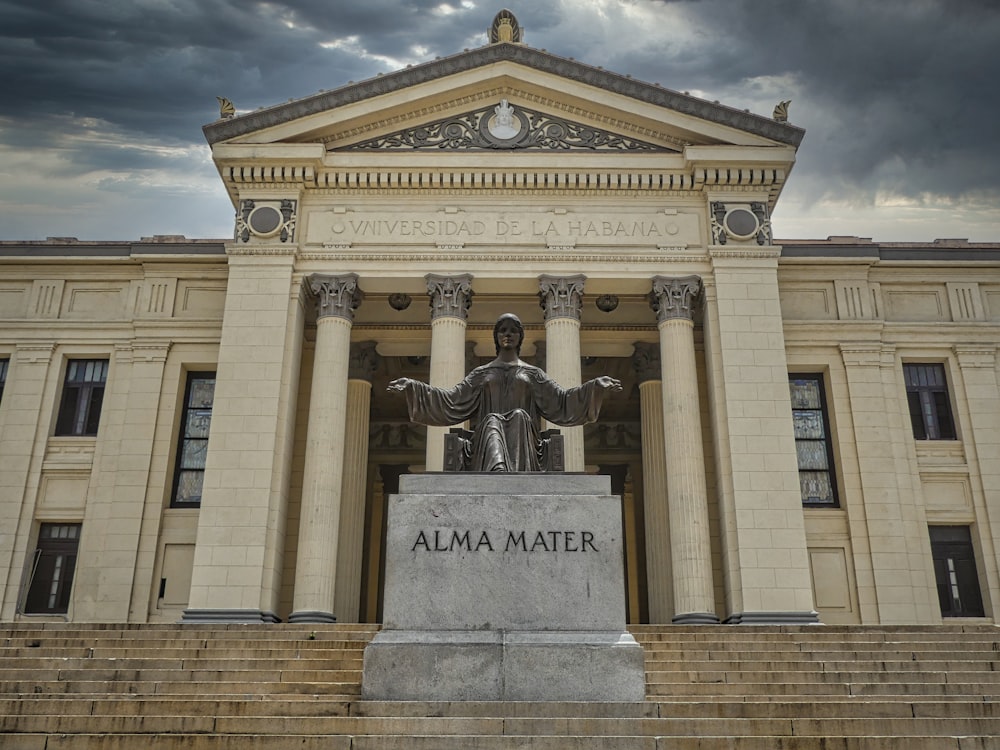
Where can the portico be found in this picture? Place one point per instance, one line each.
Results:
(625, 224)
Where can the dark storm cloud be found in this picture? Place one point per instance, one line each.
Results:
(896, 96)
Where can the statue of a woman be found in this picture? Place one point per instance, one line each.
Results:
(505, 399)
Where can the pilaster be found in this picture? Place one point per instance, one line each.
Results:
(978, 366)
(897, 532)
(21, 427)
(237, 564)
(765, 557)
(561, 297)
(110, 540)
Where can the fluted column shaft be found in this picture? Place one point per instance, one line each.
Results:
(451, 297)
(322, 482)
(687, 496)
(561, 299)
(659, 584)
(347, 590)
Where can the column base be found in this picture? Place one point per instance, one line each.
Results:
(233, 616)
(311, 616)
(695, 618)
(773, 618)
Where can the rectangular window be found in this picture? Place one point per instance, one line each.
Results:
(817, 480)
(955, 571)
(52, 569)
(930, 407)
(193, 444)
(4, 365)
(83, 394)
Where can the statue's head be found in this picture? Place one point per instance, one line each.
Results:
(518, 326)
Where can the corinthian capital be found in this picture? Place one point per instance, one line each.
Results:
(451, 296)
(336, 296)
(674, 297)
(561, 296)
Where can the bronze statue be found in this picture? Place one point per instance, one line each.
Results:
(505, 399)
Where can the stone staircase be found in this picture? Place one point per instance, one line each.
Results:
(170, 687)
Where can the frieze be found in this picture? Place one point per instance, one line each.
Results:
(330, 228)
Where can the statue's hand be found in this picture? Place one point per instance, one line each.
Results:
(399, 385)
(607, 383)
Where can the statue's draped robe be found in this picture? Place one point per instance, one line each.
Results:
(504, 402)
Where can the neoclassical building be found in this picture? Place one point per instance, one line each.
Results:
(199, 430)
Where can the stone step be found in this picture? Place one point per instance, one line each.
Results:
(820, 677)
(899, 665)
(530, 727)
(765, 690)
(335, 661)
(98, 687)
(506, 742)
(246, 676)
(298, 705)
(170, 652)
(802, 655)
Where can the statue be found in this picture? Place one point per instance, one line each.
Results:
(505, 399)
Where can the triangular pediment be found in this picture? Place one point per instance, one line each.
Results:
(556, 104)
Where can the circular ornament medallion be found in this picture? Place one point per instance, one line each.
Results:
(264, 221)
(741, 223)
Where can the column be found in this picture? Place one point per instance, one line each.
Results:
(451, 297)
(673, 301)
(561, 297)
(347, 589)
(21, 434)
(659, 581)
(337, 297)
(239, 549)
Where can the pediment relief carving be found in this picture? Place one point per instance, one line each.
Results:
(502, 125)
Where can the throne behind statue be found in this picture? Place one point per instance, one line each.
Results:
(458, 450)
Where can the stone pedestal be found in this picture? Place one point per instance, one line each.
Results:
(504, 587)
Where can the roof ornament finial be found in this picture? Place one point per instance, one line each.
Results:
(505, 28)
(226, 108)
(781, 111)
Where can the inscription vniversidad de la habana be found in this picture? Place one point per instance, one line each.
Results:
(451, 540)
(477, 227)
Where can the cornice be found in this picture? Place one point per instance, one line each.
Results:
(495, 53)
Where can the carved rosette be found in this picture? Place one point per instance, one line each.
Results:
(451, 296)
(561, 296)
(674, 298)
(646, 362)
(336, 296)
(364, 361)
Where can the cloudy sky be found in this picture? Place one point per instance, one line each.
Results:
(102, 101)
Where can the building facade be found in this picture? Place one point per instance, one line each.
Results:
(200, 430)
